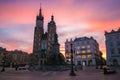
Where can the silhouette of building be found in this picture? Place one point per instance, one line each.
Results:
(13, 57)
(113, 47)
(2, 53)
(45, 43)
(18, 57)
(86, 50)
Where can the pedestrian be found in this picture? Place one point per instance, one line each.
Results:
(83, 66)
(16, 67)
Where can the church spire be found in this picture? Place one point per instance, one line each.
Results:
(40, 17)
(40, 12)
(52, 18)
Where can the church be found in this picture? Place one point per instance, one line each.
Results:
(45, 44)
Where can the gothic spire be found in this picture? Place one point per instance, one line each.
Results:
(40, 12)
(52, 18)
(40, 17)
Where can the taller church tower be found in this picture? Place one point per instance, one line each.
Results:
(38, 32)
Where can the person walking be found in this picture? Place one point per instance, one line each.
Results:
(83, 65)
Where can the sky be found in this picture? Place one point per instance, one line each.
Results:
(74, 18)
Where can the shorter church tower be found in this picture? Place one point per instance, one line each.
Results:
(51, 34)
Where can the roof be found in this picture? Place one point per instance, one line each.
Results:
(81, 38)
(112, 31)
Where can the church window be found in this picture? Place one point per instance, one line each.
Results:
(66, 51)
(66, 46)
(52, 39)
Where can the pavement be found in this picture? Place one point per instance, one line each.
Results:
(89, 73)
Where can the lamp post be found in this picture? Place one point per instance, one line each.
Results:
(72, 73)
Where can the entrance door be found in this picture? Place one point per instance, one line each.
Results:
(84, 63)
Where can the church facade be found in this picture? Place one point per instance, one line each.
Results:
(45, 44)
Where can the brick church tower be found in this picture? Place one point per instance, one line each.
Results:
(38, 33)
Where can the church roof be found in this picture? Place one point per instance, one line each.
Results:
(40, 16)
(52, 22)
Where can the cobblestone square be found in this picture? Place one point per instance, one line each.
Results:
(90, 73)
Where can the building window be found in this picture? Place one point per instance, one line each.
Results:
(76, 44)
(89, 56)
(88, 46)
(118, 43)
(78, 47)
(88, 51)
(119, 50)
(78, 52)
(82, 42)
(83, 51)
(79, 42)
(67, 55)
(83, 56)
(87, 42)
(112, 51)
(66, 51)
(52, 39)
(83, 47)
(78, 56)
(111, 43)
(95, 51)
(117, 37)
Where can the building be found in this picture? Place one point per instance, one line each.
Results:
(45, 44)
(2, 54)
(18, 57)
(13, 57)
(68, 50)
(113, 47)
(86, 51)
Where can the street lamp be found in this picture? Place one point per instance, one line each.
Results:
(72, 73)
